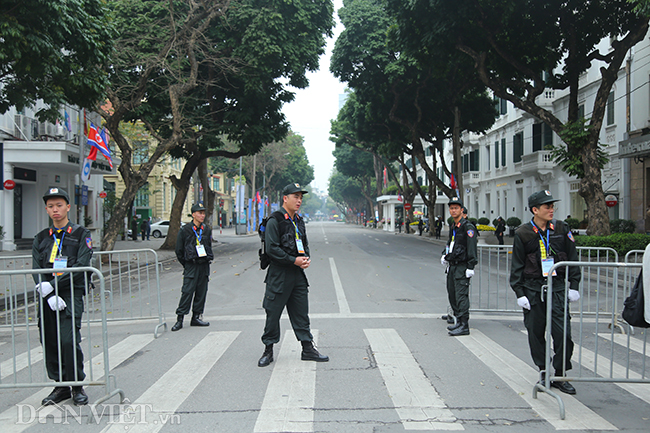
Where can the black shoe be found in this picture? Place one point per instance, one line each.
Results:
(79, 397)
(449, 318)
(196, 321)
(59, 394)
(179, 324)
(565, 387)
(457, 325)
(309, 353)
(462, 329)
(267, 356)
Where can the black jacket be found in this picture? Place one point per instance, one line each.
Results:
(465, 249)
(186, 244)
(77, 247)
(526, 267)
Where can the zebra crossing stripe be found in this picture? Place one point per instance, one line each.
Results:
(117, 354)
(517, 375)
(23, 360)
(288, 404)
(183, 377)
(416, 401)
(588, 360)
(636, 344)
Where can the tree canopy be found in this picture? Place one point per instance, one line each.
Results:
(55, 51)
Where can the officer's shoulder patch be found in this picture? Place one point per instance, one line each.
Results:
(89, 242)
(570, 236)
(470, 233)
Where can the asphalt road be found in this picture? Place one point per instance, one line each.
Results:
(375, 306)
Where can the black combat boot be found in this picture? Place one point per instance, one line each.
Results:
(79, 397)
(454, 325)
(196, 321)
(267, 356)
(179, 323)
(59, 394)
(309, 353)
(462, 329)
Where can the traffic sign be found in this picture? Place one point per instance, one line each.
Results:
(9, 184)
(407, 206)
(102, 194)
(611, 200)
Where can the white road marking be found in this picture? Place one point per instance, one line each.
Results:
(182, 379)
(116, 354)
(23, 360)
(288, 404)
(416, 401)
(344, 308)
(620, 339)
(517, 374)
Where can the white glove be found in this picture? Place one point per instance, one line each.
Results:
(56, 303)
(469, 273)
(523, 302)
(574, 295)
(44, 288)
(443, 262)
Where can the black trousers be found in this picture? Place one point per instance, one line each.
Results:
(500, 238)
(67, 343)
(535, 322)
(292, 294)
(195, 285)
(458, 291)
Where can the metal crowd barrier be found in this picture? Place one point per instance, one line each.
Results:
(133, 285)
(490, 289)
(600, 354)
(25, 364)
(132, 292)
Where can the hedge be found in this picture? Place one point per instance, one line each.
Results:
(621, 242)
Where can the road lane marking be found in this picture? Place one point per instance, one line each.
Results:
(620, 339)
(344, 308)
(23, 360)
(171, 390)
(288, 404)
(517, 374)
(117, 354)
(416, 401)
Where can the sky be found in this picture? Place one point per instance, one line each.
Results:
(313, 108)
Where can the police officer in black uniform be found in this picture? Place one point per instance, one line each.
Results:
(286, 283)
(460, 258)
(62, 245)
(537, 246)
(194, 252)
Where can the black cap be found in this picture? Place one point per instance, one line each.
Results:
(56, 192)
(293, 188)
(456, 200)
(539, 198)
(198, 207)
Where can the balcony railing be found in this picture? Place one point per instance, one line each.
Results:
(540, 161)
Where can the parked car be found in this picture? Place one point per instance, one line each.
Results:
(160, 228)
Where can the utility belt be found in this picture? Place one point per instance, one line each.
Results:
(198, 261)
(457, 262)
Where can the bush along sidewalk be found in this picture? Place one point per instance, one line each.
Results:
(621, 242)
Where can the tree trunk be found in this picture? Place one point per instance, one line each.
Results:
(457, 145)
(182, 186)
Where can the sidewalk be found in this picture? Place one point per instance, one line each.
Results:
(226, 235)
(485, 238)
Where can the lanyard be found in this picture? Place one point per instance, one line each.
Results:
(296, 227)
(198, 236)
(453, 234)
(59, 243)
(547, 242)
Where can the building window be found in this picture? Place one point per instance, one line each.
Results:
(473, 160)
(517, 146)
(487, 148)
(140, 152)
(501, 105)
(465, 161)
(496, 154)
(581, 111)
(542, 137)
(503, 152)
(610, 109)
(142, 196)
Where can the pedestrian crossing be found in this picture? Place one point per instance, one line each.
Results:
(289, 402)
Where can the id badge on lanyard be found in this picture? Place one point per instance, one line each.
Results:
(56, 256)
(547, 264)
(299, 245)
(200, 250)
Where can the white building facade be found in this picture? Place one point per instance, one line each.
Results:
(36, 156)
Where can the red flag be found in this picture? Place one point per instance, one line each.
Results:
(258, 199)
(385, 178)
(453, 182)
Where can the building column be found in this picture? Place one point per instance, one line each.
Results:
(7, 213)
